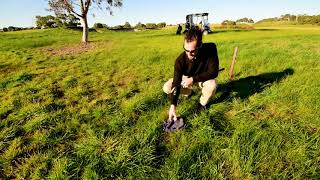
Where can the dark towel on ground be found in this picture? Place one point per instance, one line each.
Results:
(171, 126)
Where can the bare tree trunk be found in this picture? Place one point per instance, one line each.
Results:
(85, 31)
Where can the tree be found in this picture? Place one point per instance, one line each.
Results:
(50, 21)
(40, 21)
(97, 25)
(72, 21)
(46, 21)
(80, 8)
(60, 20)
(67, 21)
(151, 26)
(11, 28)
(140, 26)
(127, 25)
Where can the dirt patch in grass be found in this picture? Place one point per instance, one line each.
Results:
(8, 68)
(69, 49)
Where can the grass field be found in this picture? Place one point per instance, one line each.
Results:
(99, 114)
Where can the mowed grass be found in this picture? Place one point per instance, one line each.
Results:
(99, 114)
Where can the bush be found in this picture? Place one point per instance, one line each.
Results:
(118, 27)
(105, 26)
(151, 26)
(228, 22)
(161, 25)
(97, 25)
(5, 29)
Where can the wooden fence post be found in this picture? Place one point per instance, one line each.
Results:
(231, 71)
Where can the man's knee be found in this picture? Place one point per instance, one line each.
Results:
(210, 85)
(208, 90)
(167, 86)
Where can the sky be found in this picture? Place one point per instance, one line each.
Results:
(21, 13)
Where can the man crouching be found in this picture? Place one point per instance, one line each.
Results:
(199, 63)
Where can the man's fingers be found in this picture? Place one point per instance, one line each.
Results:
(174, 117)
(183, 84)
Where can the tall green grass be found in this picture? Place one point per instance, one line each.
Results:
(99, 114)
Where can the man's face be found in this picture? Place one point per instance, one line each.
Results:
(191, 49)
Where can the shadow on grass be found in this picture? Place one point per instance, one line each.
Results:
(245, 87)
(161, 152)
(242, 88)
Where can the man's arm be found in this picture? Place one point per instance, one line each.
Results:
(176, 84)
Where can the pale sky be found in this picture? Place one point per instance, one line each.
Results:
(21, 13)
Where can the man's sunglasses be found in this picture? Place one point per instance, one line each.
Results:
(191, 51)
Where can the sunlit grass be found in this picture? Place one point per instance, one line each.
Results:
(99, 114)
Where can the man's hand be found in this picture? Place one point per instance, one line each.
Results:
(187, 82)
(172, 112)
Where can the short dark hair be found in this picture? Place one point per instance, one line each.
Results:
(193, 34)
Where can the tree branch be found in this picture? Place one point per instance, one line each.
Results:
(70, 8)
(82, 7)
(87, 5)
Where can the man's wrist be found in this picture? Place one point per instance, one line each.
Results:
(194, 79)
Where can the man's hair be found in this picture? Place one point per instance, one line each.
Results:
(193, 34)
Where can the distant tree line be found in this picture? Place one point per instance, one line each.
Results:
(295, 19)
(49, 21)
(244, 20)
(228, 22)
(71, 21)
(12, 28)
(127, 25)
